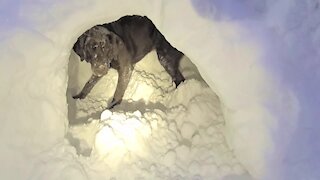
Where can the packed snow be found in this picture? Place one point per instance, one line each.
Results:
(247, 110)
(158, 131)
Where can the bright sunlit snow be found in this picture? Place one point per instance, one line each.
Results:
(247, 110)
(157, 132)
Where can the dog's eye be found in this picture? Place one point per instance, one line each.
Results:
(95, 46)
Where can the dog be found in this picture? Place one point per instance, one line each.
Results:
(121, 44)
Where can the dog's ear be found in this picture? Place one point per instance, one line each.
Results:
(116, 42)
(79, 46)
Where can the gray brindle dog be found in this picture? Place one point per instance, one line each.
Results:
(121, 44)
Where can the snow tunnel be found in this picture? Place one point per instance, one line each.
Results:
(190, 119)
(225, 121)
(176, 126)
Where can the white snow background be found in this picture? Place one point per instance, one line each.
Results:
(261, 58)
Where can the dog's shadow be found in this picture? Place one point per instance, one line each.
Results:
(125, 106)
(141, 105)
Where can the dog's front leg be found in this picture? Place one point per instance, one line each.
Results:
(87, 87)
(125, 73)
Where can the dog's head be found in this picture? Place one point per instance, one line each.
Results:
(99, 47)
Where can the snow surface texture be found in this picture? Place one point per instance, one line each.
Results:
(260, 57)
(157, 132)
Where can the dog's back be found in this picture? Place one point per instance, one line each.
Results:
(138, 34)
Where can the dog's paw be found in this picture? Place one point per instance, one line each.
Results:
(79, 96)
(113, 104)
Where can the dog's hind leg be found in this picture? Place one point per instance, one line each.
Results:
(169, 58)
(87, 87)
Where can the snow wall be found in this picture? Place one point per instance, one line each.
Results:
(259, 57)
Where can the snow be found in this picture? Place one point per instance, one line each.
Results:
(253, 116)
(155, 127)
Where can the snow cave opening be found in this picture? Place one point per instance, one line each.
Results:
(154, 119)
(242, 52)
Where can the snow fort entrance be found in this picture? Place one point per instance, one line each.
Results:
(173, 132)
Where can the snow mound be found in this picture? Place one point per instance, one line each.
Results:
(158, 131)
